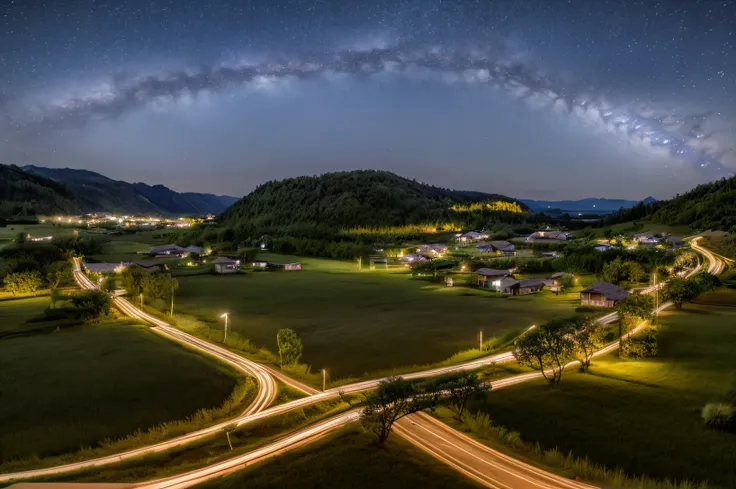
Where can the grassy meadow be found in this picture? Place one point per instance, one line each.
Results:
(73, 388)
(640, 415)
(349, 458)
(357, 322)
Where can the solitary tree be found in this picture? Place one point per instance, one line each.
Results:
(587, 337)
(58, 273)
(680, 290)
(635, 272)
(547, 348)
(392, 400)
(566, 283)
(614, 271)
(633, 306)
(290, 346)
(459, 388)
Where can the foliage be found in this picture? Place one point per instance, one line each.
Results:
(706, 282)
(489, 206)
(26, 194)
(133, 278)
(719, 416)
(290, 346)
(92, 305)
(108, 284)
(459, 388)
(392, 400)
(547, 348)
(566, 283)
(27, 282)
(59, 273)
(158, 285)
(680, 290)
(588, 337)
(619, 271)
(642, 345)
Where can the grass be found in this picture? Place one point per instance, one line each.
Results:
(640, 415)
(349, 458)
(77, 387)
(354, 323)
(642, 226)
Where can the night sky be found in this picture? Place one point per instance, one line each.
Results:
(542, 99)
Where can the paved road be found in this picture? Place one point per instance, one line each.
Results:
(447, 451)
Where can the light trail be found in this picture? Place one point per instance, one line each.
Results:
(442, 452)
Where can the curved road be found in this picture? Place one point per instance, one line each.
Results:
(415, 428)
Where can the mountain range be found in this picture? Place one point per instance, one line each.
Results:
(584, 206)
(93, 192)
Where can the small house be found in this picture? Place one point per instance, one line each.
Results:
(548, 235)
(559, 275)
(472, 236)
(103, 268)
(194, 249)
(413, 258)
(504, 247)
(166, 250)
(290, 267)
(674, 242)
(432, 249)
(149, 265)
(550, 254)
(259, 264)
(491, 278)
(529, 286)
(603, 294)
(226, 265)
(485, 248)
(602, 247)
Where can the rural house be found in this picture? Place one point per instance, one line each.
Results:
(504, 247)
(166, 250)
(604, 294)
(103, 268)
(290, 267)
(548, 235)
(491, 278)
(432, 249)
(472, 236)
(226, 265)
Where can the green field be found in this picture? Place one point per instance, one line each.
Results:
(353, 323)
(640, 415)
(15, 315)
(75, 387)
(348, 459)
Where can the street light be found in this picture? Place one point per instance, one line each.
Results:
(225, 316)
(324, 379)
(141, 301)
(480, 341)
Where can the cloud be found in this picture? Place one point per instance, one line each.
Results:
(692, 136)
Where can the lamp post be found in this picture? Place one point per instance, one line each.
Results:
(141, 301)
(656, 297)
(324, 379)
(172, 302)
(480, 341)
(225, 316)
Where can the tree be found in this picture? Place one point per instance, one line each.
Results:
(614, 271)
(587, 337)
(20, 238)
(547, 348)
(133, 278)
(27, 282)
(108, 285)
(635, 272)
(93, 305)
(706, 282)
(290, 346)
(566, 283)
(459, 388)
(680, 290)
(392, 400)
(59, 273)
(633, 306)
(159, 285)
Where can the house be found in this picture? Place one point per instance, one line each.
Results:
(550, 254)
(644, 236)
(559, 275)
(432, 249)
(412, 258)
(603, 294)
(602, 248)
(148, 265)
(194, 249)
(103, 268)
(505, 285)
(489, 277)
(167, 250)
(226, 265)
(485, 248)
(472, 236)
(289, 267)
(504, 247)
(548, 235)
(674, 242)
(260, 264)
(528, 286)
(649, 241)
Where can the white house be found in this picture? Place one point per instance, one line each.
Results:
(472, 236)
(289, 267)
(226, 265)
(490, 277)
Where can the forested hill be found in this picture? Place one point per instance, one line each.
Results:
(344, 200)
(707, 206)
(24, 194)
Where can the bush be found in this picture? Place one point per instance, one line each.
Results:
(92, 305)
(642, 345)
(719, 416)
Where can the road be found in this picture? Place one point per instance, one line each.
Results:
(420, 435)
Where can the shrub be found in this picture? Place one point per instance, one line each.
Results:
(719, 416)
(642, 345)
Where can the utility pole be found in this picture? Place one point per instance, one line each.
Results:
(224, 339)
(141, 301)
(172, 302)
(480, 342)
(656, 297)
(324, 379)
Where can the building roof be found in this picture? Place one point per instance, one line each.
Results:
(472, 234)
(194, 249)
(559, 274)
(508, 282)
(484, 247)
(434, 247)
(532, 282)
(492, 272)
(503, 245)
(223, 260)
(146, 263)
(154, 250)
(608, 290)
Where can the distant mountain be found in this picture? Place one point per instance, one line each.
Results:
(98, 193)
(24, 194)
(585, 206)
(363, 198)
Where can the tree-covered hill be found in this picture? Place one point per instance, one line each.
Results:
(707, 206)
(363, 198)
(23, 194)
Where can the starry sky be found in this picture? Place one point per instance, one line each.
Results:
(545, 99)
